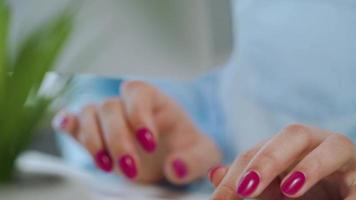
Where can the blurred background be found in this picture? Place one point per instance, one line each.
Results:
(179, 38)
(176, 39)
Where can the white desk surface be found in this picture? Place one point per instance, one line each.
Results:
(47, 177)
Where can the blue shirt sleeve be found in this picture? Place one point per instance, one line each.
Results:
(200, 99)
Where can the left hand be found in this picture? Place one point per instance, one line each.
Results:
(300, 162)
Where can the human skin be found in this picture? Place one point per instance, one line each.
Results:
(300, 162)
(146, 136)
(142, 134)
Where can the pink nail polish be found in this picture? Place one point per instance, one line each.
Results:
(128, 166)
(146, 139)
(212, 171)
(60, 122)
(248, 184)
(64, 122)
(180, 169)
(294, 183)
(104, 161)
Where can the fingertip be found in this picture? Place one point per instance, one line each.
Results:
(191, 162)
(146, 139)
(293, 184)
(60, 121)
(64, 122)
(179, 168)
(212, 171)
(177, 171)
(248, 184)
(103, 161)
(216, 174)
(128, 166)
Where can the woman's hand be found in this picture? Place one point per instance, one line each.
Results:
(144, 135)
(301, 162)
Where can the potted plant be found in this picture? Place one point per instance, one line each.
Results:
(22, 106)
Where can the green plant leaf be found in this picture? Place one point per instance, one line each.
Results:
(37, 56)
(24, 128)
(4, 31)
(31, 118)
(21, 105)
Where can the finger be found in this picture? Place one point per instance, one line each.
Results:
(194, 161)
(348, 180)
(89, 135)
(66, 122)
(327, 158)
(216, 174)
(226, 188)
(351, 197)
(139, 102)
(118, 138)
(277, 156)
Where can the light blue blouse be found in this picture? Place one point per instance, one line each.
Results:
(295, 61)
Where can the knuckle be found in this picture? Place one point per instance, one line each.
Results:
(312, 167)
(110, 104)
(246, 157)
(270, 157)
(344, 142)
(90, 108)
(134, 85)
(137, 89)
(224, 191)
(299, 130)
(295, 128)
(315, 166)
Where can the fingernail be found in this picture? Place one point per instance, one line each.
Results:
(103, 161)
(212, 171)
(294, 183)
(146, 139)
(128, 166)
(60, 122)
(180, 169)
(248, 184)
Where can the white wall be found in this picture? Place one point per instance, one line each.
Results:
(175, 38)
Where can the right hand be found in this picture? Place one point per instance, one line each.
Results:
(142, 134)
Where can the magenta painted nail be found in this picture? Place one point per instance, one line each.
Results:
(212, 171)
(60, 122)
(180, 169)
(248, 184)
(128, 166)
(104, 161)
(294, 183)
(64, 122)
(146, 139)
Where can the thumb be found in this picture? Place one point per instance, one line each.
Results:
(183, 166)
(216, 174)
